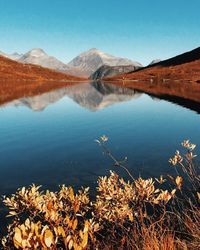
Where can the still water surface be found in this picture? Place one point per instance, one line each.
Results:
(50, 139)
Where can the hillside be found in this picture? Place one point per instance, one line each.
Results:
(182, 67)
(12, 70)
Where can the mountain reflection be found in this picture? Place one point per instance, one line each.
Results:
(93, 96)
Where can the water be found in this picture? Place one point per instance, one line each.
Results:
(50, 139)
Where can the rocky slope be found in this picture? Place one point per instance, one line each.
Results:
(109, 71)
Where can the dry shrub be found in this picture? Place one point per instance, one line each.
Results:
(134, 214)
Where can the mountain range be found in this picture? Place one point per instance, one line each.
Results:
(84, 65)
(95, 64)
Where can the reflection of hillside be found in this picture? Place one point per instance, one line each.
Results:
(179, 92)
(93, 96)
(13, 89)
(98, 95)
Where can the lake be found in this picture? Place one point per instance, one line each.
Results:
(49, 139)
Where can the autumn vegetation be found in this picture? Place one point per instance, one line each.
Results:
(181, 68)
(12, 70)
(151, 214)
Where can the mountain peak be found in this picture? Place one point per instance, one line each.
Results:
(16, 54)
(155, 61)
(93, 50)
(13, 56)
(37, 52)
(39, 57)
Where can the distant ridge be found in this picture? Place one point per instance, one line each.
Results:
(154, 61)
(186, 57)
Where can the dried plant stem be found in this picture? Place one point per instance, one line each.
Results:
(116, 162)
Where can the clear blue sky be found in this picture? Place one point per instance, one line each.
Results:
(141, 30)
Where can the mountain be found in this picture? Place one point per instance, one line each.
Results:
(39, 57)
(15, 56)
(154, 61)
(109, 71)
(183, 67)
(93, 96)
(89, 61)
(83, 65)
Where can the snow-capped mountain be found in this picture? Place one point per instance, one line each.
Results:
(93, 59)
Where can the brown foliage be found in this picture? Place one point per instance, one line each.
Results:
(136, 214)
(12, 70)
